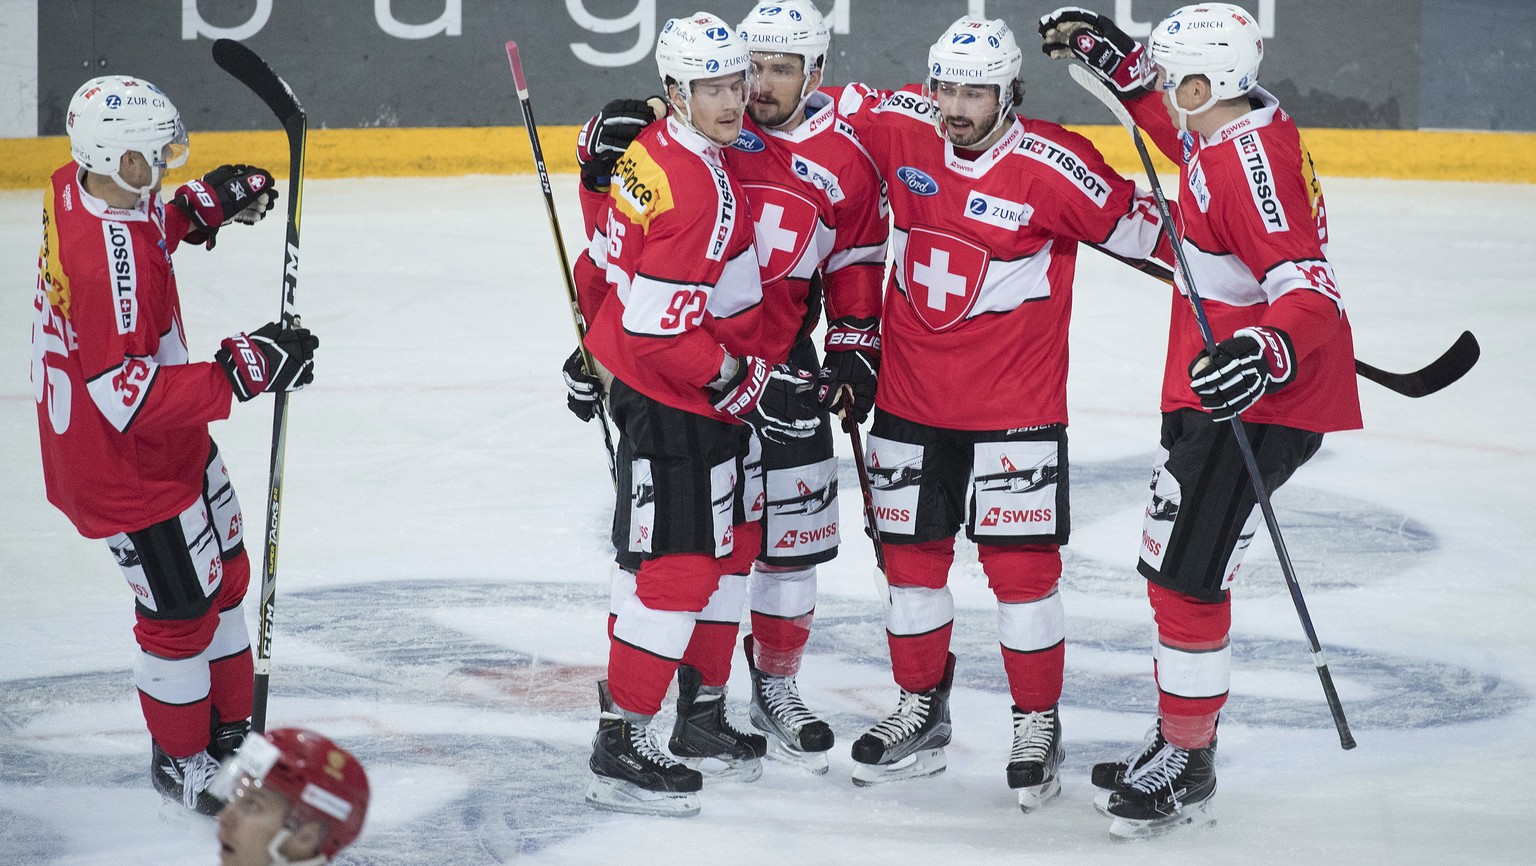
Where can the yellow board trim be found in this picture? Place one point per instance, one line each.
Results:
(26, 163)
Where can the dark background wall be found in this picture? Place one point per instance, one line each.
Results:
(1390, 64)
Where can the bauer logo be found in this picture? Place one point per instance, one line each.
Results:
(917, 181)
(748, 142)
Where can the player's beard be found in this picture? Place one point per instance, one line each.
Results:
(968, 134)
(769, 115)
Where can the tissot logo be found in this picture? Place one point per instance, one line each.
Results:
(917, 180)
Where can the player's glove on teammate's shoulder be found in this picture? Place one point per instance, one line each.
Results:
(851, 368)
(582, 389)
(270, 358)
(1253, 362)
(609, 133)
(776, 401)
(229, 193)
(1114, 56)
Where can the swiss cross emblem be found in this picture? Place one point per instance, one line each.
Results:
(943, 274)
(784, 222)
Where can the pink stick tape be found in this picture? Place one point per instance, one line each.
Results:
(517, 69)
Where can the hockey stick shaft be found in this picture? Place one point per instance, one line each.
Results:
(1454, 363)
(1239, 432)
(255, 74)
(871, 528)
(590, 367)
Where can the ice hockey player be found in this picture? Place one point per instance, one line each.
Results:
(670, 286)
(1254, 230)
(123, 413)
(970, 419)
(293, 798)
(815, 202)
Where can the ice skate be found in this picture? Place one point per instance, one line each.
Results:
(1110, 776)
(704, 739)
(227, 738)
(185, 780)
(630, 772)
(1035, 762)
(1172, 789)
(909, 743)
(795, 735)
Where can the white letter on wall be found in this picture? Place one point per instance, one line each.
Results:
(193, 25)
(643, 19)
(450, 22)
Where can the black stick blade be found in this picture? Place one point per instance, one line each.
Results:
(1441, 372)
(247, 67)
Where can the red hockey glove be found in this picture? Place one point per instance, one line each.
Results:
(271, 358)
(775, 401)
(608, 134)
(1109, 52)
(1254, 362)
(229, 193)
(848, 375)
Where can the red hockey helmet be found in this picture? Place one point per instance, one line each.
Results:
(322, 781)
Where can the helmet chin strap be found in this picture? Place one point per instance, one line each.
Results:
(1184, 113)
(155, 165)
(281, 837)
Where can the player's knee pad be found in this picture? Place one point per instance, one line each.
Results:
(725, 602)
(1188, 622)
(926, 564)
(1032, 626)
(176, 682)
(177, 638)
(677, 581)
(783, 592)
(1022, 572)
(230, 637)
(915, 610)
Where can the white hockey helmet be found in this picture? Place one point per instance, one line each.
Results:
(976, 51)
(116, 113)
(699, 46)
(1217, 40)
(788, 27)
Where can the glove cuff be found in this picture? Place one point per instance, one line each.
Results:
(1278, 353)
(851, 334)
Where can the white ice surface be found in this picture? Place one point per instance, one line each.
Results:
(444, 567)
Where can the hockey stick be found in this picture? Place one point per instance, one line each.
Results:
(1454, 363)
(871, 528)
(254, 73)
(588, 365)
(1092, 84)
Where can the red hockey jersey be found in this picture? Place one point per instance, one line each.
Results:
(1255, 233)
(669, 283)
(122, 416)
(975, 325)
(816, 206)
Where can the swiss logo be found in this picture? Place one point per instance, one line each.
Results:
(256, 182)
(943, 274)
(784, 223)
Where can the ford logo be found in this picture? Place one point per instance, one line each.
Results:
(748, 142)
(917, 181)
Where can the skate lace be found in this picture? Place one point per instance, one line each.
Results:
(1160, 770)
(1151, 740)
(908, 716)
(782, 697)
(197, 774)
(1032, 736)
(642, 738)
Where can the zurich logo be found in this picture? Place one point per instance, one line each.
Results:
(794, 15)
(977, 206)
(963, 39)
(711, 66)
(769, 10)
(994, 41)
(718, 34)
(114, 101)
(937, 70)
(917, 181)
(1173, 27)
(748, 142)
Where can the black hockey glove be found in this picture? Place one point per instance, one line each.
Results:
(271, 358)
(849, 373)
(582, 389)
(777, 402)
(229, 193)
(608, 134)
(1119, 60)
(1254, 362)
